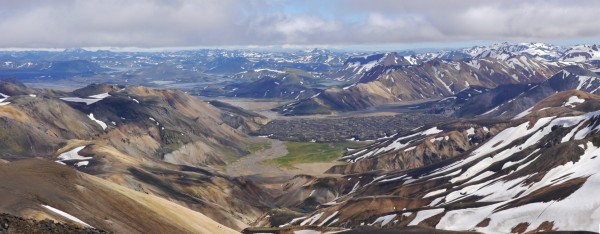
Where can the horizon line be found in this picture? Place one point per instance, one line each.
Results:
(286, 47)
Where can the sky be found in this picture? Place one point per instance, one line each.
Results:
(350, 24)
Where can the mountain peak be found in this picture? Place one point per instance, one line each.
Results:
(581, 53)
(94, 89)
(562, 103)
(576, 70)
(75, 50)
(574, 77)
(13, 87)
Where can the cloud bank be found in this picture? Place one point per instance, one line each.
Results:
(182, 23)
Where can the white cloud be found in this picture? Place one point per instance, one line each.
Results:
(405, 28)
(163, 23)
(121, 23)
(287, 29)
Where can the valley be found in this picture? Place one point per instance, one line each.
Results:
(299, 117)
(254, 163)
(491, 139)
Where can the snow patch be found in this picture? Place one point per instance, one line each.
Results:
(88, 101)
(4, 97)
(384, 220)
(312, 220)
(268, 70)
(573, 100)
(523, 114)
(424, 214)
(66, 215)
(433, 193)
(102, 124)
(73, 154)
(471, 131)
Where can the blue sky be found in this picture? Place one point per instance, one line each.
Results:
(338, 24)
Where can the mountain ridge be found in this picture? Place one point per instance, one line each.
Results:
(535, 163)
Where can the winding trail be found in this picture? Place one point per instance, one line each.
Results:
(251, 164)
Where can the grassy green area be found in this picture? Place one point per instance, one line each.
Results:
(308, 152)
(253, 148)
(310, 108)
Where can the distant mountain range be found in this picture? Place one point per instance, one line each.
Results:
(390, 78)
(511, 100)
(317, 81)
(77, 62)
